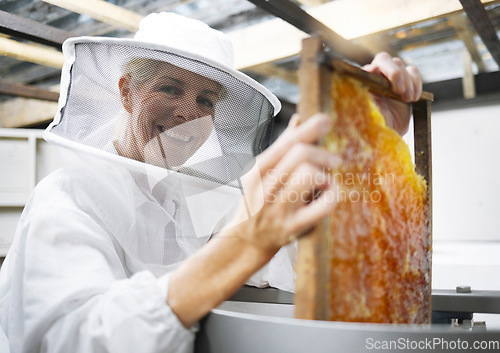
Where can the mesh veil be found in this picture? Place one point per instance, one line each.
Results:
(240, 122)
(156, 142)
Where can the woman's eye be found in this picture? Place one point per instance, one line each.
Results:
(207, 102)
(170, 90)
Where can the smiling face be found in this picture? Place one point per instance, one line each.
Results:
(170, 114)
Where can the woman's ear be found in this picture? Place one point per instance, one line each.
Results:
(125, 92)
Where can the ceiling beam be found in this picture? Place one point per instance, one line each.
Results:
(23, 112)
(23, 28)
(32, 53)
(468, 84)
(275, 39)
(358, 18)
(375, 45)
(482, 23)
(102, 11)
(15, 89)
(312, 3)
(281, 39)
(466, 36)
(293, 14)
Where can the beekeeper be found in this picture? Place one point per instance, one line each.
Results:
(161, 210)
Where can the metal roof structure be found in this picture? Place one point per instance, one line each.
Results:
(454, 43)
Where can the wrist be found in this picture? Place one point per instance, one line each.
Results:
(245, 246)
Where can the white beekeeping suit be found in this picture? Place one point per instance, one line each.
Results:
(147, 180)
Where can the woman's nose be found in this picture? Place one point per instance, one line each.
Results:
(187, 109)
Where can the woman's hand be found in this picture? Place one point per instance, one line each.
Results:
(281, 195)
(405, 81)
(279, 206)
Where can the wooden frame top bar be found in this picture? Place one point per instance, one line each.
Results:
(376, 83)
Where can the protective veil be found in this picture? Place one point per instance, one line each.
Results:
(155, 132)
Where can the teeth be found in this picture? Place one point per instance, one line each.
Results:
(177, 136)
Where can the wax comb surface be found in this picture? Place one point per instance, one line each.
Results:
(380, 245)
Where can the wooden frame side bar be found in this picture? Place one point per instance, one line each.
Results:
(423, 165)
(311, 301)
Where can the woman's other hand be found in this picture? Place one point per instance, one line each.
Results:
(405, 80)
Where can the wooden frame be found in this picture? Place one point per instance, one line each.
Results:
(311, 299)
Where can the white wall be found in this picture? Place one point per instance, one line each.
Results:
(466, 171)
(25, 158)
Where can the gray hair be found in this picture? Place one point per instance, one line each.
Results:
(141, 70)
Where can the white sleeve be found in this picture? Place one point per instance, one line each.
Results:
(132, 316)
(69, 292)
(279, 272)
(4, 342)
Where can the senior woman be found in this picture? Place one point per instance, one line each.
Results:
(161, 211)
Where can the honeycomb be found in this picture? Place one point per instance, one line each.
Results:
(380, 246)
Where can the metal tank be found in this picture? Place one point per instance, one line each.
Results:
(261, 320)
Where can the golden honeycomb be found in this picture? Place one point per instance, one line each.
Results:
(380, 246)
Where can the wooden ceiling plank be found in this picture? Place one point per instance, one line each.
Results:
(482, 23)
(23, 112)
(466, 36)
(375, 45)
(282, 40)
(32, 53)
(296, 16)
(103, 11)
(35, 73)
(269, 69)
(26, 91)
(312, 3)
(468, 85)
(358, 18)
(24, 28)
